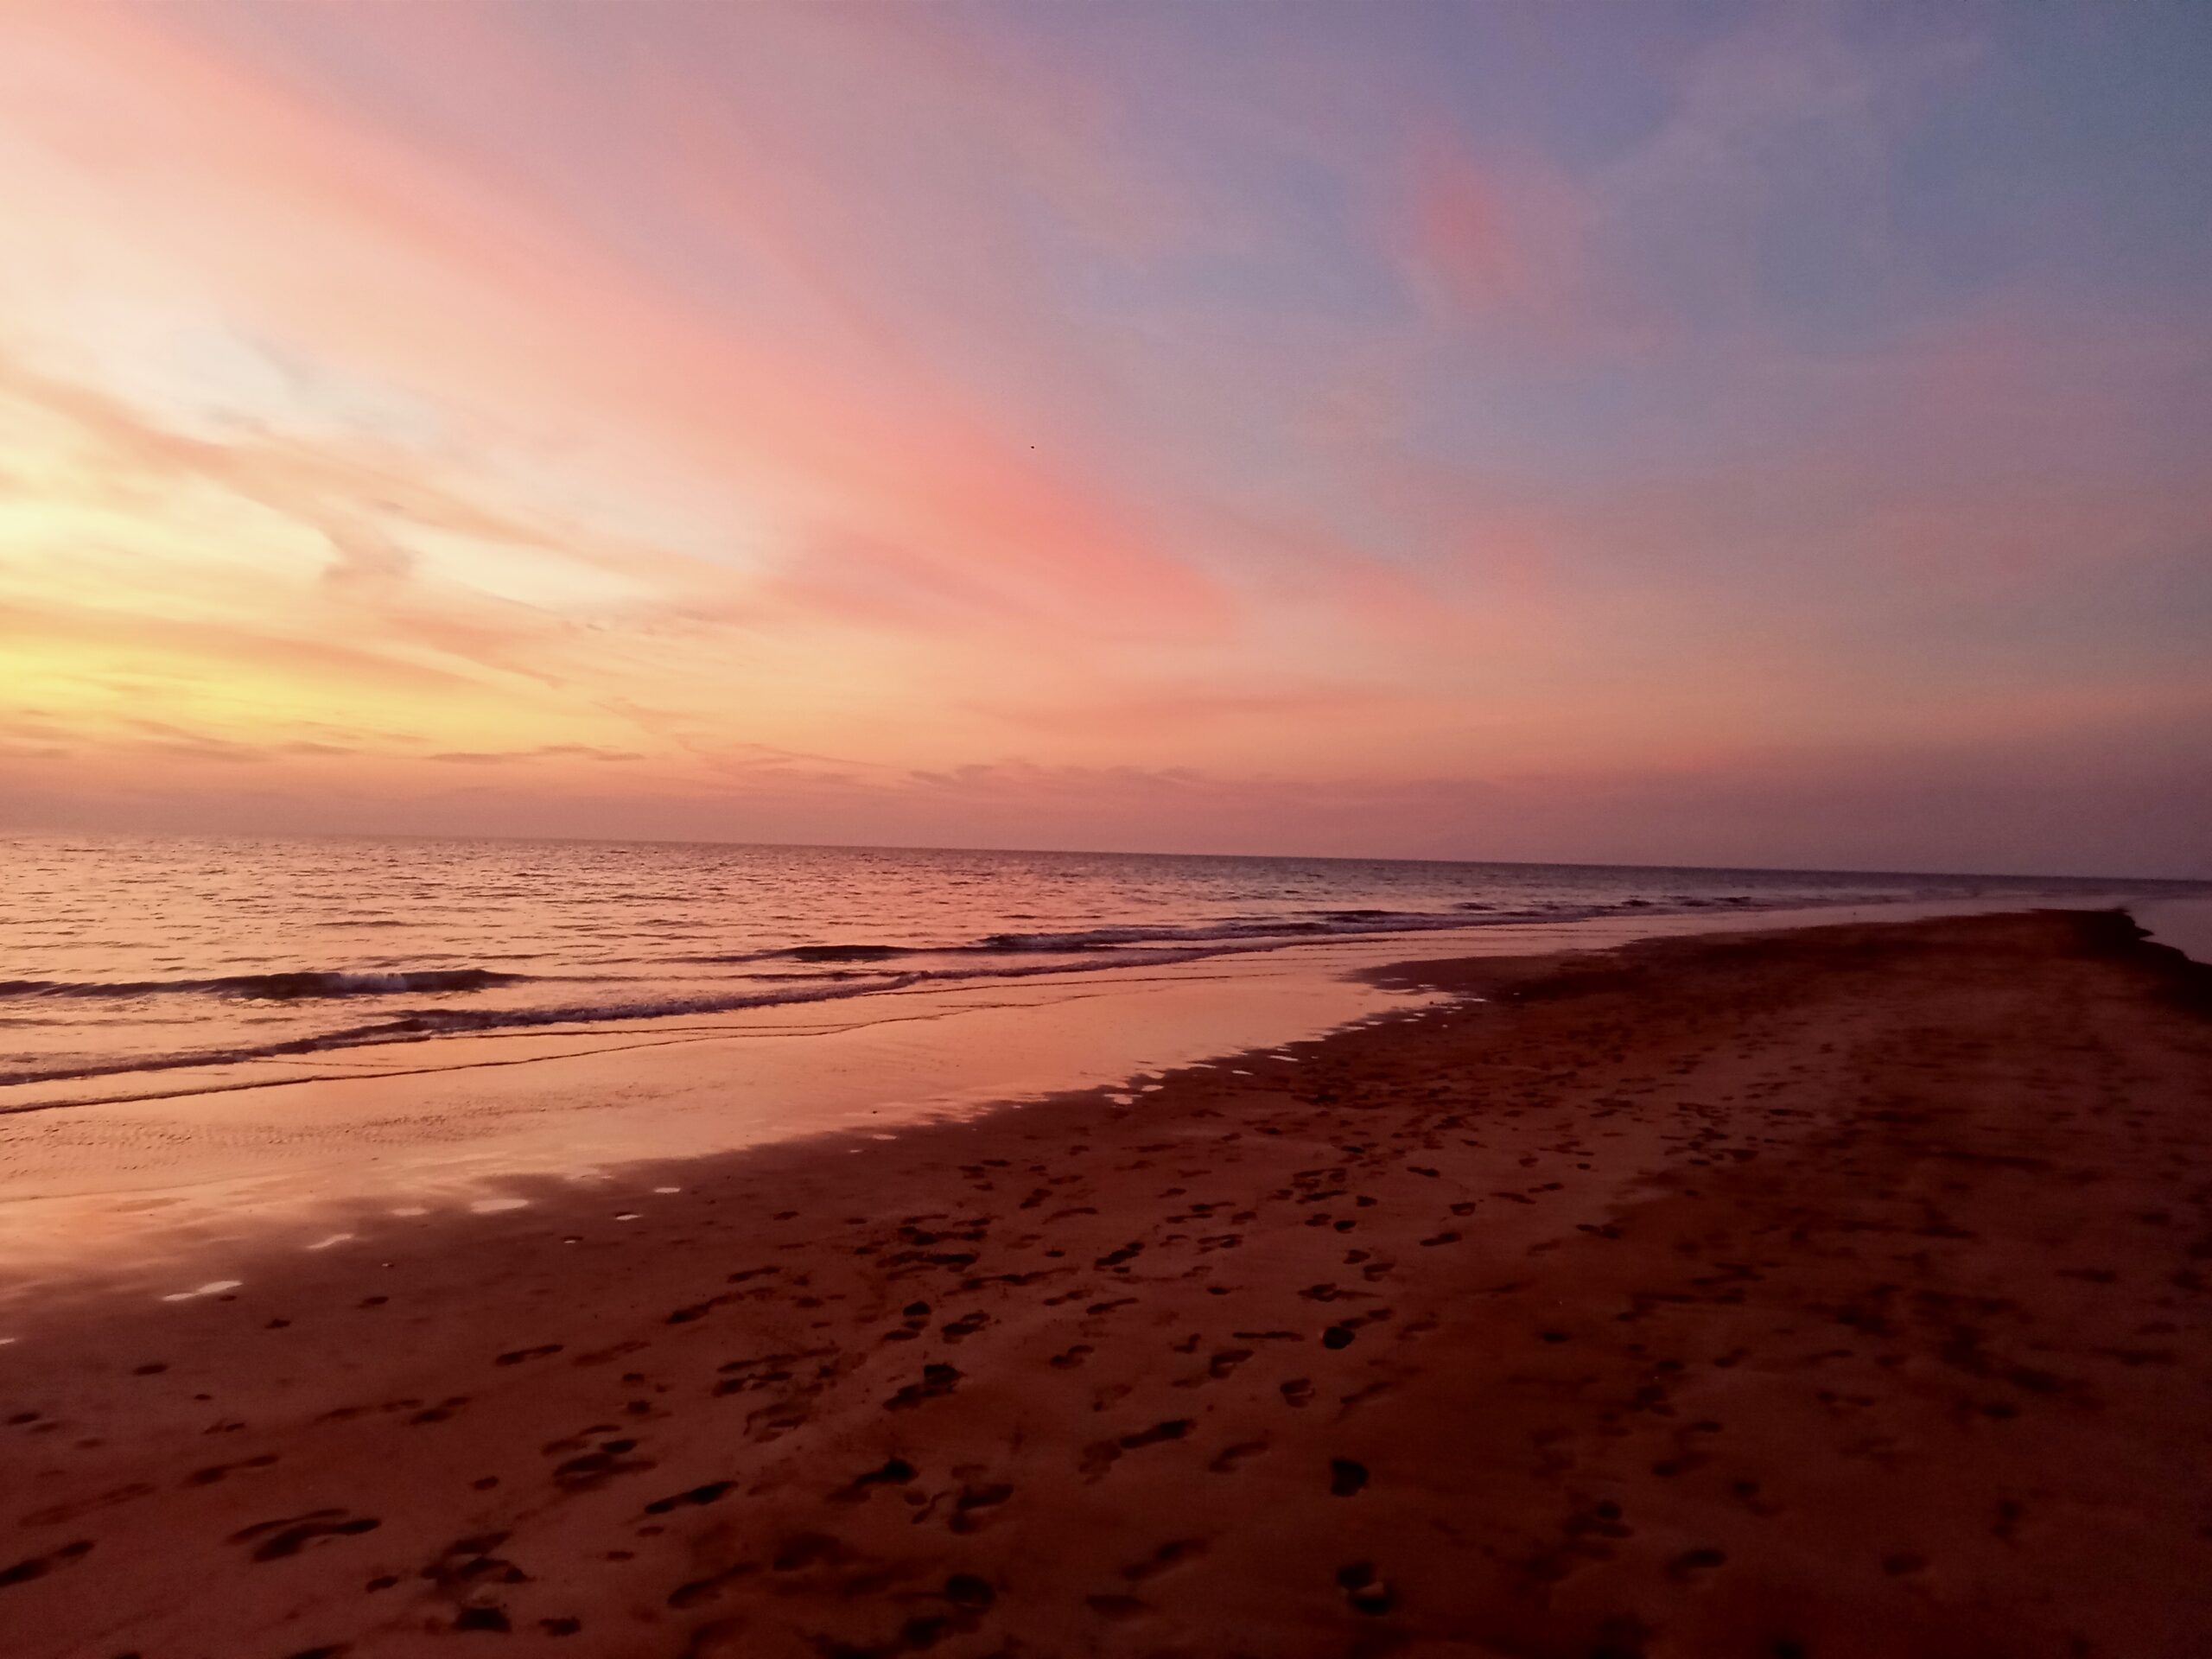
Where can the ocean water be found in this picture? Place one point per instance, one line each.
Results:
(120, 955)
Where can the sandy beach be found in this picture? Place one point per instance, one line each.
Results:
(1834, 1292)
(1005, 831)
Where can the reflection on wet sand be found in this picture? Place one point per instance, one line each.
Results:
(189, 1165)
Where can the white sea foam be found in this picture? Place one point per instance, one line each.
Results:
(212, 1288)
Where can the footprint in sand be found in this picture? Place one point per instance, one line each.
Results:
(967, 1591)
(968, 1510)
(896, 1472)
(937, 1381)
(805, 1549)
(290, 1535)
(1226, 1361)
(1165, 1559)
(39, 1566)
(214, 1472)
(1686, 1567)
(1229, 1460)
(596, 1468)
(697, 1590)
(713, 1493)
(1367, 1594)
(1156, 1433)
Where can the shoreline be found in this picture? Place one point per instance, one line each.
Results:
(1430, 1295)
(203, 1175)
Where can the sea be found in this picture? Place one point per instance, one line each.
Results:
(121, 955)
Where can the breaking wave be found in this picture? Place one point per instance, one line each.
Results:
(417, 1024)
(275, 988)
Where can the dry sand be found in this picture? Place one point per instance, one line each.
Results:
(1839, 1292)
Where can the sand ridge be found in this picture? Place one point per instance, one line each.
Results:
(1838, 1292)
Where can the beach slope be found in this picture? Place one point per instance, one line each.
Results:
(1840, 1292)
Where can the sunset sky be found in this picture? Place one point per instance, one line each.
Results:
(1707, 433)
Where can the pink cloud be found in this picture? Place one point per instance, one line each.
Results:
(460, 289)
(850, 415)
(1506, 245)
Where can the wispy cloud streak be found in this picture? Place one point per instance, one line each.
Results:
(1071, 424)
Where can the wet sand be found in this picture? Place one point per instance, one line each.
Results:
(1834, 1292)
(154, 1180)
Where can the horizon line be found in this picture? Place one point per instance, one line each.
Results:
(24, 832)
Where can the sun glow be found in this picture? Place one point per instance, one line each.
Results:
(403, 407)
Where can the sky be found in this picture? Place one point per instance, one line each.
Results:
(1744, 434)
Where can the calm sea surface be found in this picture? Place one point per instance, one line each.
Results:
(119, 954)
